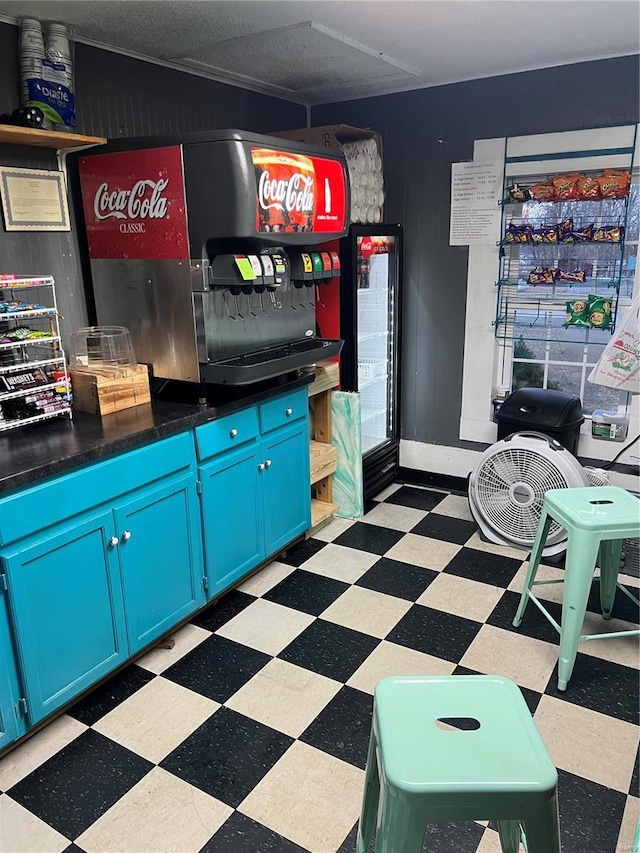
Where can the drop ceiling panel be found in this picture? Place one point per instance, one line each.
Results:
(298, 58)
(352, 48)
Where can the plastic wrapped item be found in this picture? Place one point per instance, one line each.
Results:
(577, 314)
(102, 349)
(47, 72)
(619, 364)
(599, 312)
(609, 425)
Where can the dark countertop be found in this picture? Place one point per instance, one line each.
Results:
(42, 450)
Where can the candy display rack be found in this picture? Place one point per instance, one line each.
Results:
(33, 368)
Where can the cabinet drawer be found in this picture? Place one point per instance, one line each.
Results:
(72, 494)
(226, 433)
(283, 410)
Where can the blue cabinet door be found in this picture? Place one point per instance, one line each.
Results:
(232, 517)
(66, 604)
(11, 720)
(160, 559)
(285, 485)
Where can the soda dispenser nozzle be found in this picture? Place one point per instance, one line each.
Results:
(280, 267)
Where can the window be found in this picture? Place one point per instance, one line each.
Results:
(536, 349)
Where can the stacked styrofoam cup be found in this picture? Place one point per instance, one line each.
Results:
(367, 183)
(32, 53)
(59, 50)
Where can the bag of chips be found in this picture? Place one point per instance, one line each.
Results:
(518, 234)
(575, 277)
(566, 186)
(544, 191)
(588, 187)
(580, 235)
(541, 275)
(608, 234)
(544, 234)
(576, 314)
(599, 311)
(517, 194)
(614, 183)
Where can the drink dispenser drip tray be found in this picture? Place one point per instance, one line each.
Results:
(270, 362)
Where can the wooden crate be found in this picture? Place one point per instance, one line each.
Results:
(108, 391)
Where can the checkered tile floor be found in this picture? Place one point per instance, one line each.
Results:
(251, 734)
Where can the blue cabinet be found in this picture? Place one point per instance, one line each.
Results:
(68, 616)
(285, 485)
(255, 499)
(12, 723)
(160, 559)
(98, 563)
(232, 519)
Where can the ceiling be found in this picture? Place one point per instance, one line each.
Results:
(317, 51)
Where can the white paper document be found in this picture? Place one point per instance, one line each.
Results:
(476, 190)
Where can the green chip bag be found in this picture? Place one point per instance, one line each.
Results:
(576, 313)
(599, 312)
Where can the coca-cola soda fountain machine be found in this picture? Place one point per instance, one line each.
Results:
(203, 246)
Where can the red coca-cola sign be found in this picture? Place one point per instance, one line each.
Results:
(297, 193)
(134, 204)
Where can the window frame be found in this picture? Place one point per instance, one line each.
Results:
(483, 369)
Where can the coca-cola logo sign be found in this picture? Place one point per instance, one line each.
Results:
(297, 192)
(366, 247)
(143, 201)
(294, 193)
(134, 204)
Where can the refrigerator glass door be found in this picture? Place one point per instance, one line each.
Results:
(376, 280)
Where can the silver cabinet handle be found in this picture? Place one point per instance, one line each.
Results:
(267, 463)
(126, 536)
(113, 541)
(233, 433)
(288, 412)
(261, 466)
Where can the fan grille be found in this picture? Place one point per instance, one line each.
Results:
(494, 487)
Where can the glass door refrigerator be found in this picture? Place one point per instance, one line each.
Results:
(370, 325)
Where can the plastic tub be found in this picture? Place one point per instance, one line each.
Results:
(611, 426)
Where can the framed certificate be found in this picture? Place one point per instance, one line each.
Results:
(34, 200)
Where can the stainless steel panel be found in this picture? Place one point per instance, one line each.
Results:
(154, 300)
(237, 325)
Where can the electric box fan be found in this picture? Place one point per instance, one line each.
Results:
(508, 484)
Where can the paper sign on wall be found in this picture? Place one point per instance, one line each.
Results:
(476, 191)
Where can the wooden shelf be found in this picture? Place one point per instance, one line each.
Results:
(46, 138)
(321, 513)
(323, 460)
(322, 454)
(327, 377)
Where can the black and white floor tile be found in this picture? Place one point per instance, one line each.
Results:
(250, 735)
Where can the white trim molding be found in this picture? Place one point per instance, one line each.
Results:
(437, 459)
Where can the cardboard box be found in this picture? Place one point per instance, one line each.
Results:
(331, 135)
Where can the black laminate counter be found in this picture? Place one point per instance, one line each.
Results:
(34, 452)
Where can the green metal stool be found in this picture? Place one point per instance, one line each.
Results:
(422, 771)
(597, 519)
